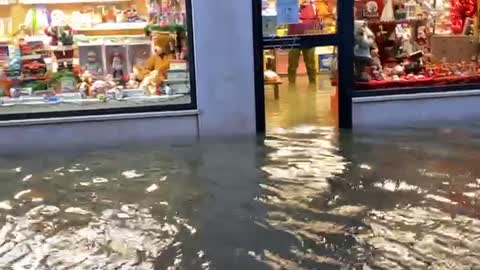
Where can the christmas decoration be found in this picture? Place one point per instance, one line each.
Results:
(459, 12)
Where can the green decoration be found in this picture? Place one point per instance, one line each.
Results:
(173, 28)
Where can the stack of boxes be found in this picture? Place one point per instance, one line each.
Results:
(178, 77)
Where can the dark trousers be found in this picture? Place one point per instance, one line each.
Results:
(308, 58)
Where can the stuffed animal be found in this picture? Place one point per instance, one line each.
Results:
(364, 42)
(159, 61)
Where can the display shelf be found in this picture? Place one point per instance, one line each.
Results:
(31, 57)
(114, 26)
(32, 2)
(405, 21)
(413, 83)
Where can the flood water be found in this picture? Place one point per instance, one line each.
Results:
(302, 198)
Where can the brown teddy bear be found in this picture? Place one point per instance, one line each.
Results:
(159, 61)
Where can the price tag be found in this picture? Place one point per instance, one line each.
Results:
(287, 11)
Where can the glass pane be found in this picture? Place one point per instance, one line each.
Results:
(415, 43)
(300, 87)
(298, 17)
(71, 57)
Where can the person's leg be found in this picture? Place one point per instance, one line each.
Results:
(293, 58)
(309, 59)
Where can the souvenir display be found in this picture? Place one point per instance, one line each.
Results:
(416, 43)
(314, 17)
(46, 61)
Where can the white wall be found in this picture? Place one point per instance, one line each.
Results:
(224, 66)
(414, 109)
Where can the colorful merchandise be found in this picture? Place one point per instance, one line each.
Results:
(47, 63)
(417, 43)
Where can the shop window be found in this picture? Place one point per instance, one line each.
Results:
(298, 17)
(415, 43)
(80, 55)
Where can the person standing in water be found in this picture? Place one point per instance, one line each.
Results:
(308, 19)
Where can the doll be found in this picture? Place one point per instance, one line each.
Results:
(132, 83)
(61, 39)
(92, 64)
(376, 59)
(117, 68)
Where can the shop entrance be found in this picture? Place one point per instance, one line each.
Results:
(299, 87)
(298, 44)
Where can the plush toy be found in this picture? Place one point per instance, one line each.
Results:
(364, 42)
(159, 61)
(85, 86)
(132, 83)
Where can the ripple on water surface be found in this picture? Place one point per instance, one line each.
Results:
(304, 198)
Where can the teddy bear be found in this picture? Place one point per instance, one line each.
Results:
(159, 61)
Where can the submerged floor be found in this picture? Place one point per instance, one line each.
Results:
(300, 103)
(302, 198)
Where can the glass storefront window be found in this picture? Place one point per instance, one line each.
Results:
(415, 43)
(298, 17)
(77, 55)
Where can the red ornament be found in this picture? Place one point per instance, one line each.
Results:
(459, 11)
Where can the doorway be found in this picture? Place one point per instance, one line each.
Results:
(300, 87)
(302, 63)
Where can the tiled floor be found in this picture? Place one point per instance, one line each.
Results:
(300, 104)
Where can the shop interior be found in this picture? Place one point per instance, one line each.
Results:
(66, 55)
(303, 96)
(411, 44)
(300, 83)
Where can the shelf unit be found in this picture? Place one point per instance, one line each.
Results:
(113, 26)
(406, 21)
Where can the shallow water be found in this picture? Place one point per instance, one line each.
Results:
(303, 198)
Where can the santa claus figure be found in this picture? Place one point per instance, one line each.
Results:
(61, 39)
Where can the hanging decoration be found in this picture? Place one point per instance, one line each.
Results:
(459, 12)
(387, 13)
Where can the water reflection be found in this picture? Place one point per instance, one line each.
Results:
(301, 198)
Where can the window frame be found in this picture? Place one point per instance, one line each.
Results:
(408, 90)
(342, 39)
(129, 110)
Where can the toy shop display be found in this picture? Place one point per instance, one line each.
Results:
(414, 43)
(314, 17)
(49, 63)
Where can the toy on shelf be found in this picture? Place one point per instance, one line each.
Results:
(364, 42)
(117, 67)
(159, 62)
(85, 85)
(61, 40)
(92, 64)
